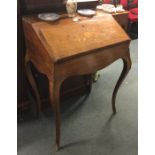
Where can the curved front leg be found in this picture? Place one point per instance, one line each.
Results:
(54, 93)
(34, 86)
(126, 68)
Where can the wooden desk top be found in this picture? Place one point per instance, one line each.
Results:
(65, 39)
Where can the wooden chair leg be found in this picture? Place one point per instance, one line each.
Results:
(34, 87)
(126, 68)
(54, 92)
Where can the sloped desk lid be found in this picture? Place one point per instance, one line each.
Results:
(77, 38)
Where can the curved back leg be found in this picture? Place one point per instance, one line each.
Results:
(34, 86)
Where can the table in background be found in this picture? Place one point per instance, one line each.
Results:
(120, 17)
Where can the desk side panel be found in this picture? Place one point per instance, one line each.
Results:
(36, 52)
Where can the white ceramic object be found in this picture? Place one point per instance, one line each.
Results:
(119, 8)
(99, 7)
(86, 12)
(48, 16)
(71, 7)
(110, 8)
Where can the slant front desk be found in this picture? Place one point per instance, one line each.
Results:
(65, 48)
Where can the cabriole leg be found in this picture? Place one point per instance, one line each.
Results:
(126, 68)
(34, 86)
(54, 92)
